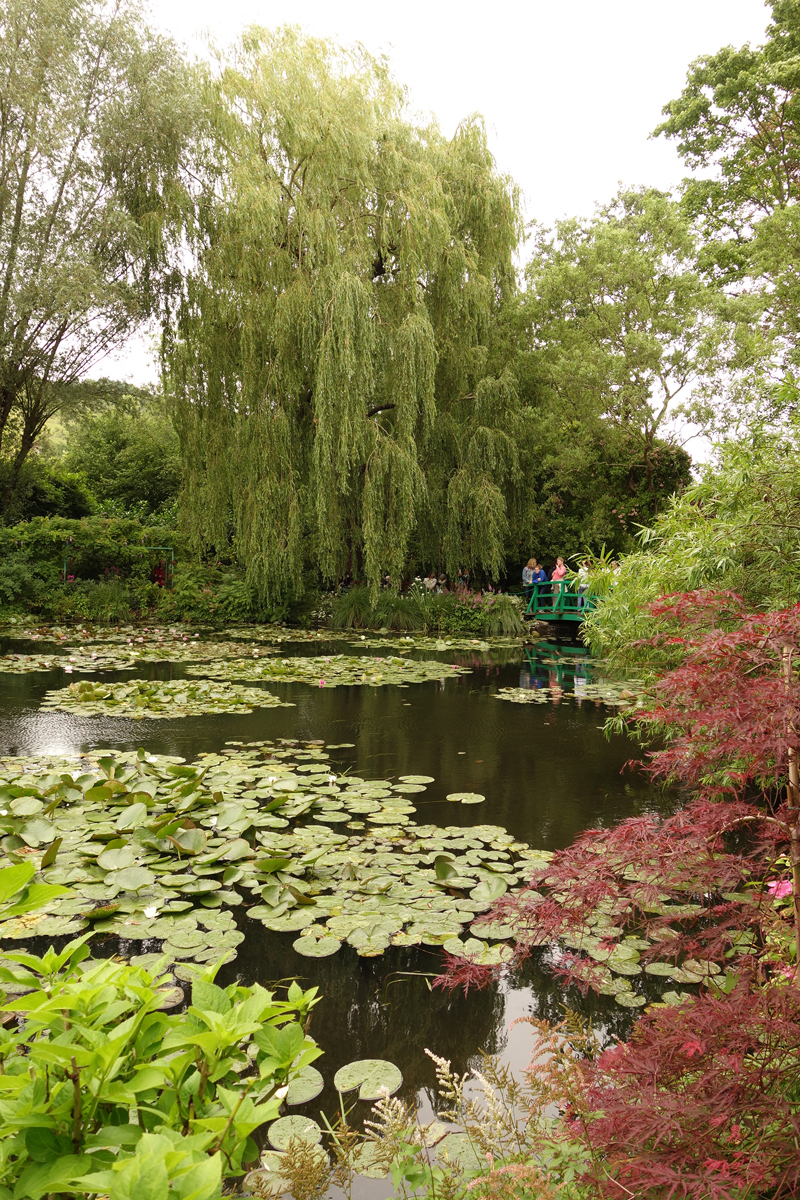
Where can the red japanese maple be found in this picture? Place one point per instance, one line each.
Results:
(703, 1101)
(731, 711)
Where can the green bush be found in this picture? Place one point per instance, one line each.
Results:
(429, 611)
(99, 1083)
(47, 489)
(130, 460)
(396, 612)
(504, 616)
(24, 580)
(353, 610)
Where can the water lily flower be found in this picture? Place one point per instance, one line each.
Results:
(281, 1092)
(331, 780)
(151, 911)
(212, 822)
(322, 683)
(779, 888)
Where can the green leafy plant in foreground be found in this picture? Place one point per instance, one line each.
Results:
(103, 1092)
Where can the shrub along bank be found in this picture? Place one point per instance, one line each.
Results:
(121, 569)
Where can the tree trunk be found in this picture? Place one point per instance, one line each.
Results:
(793, 808)
(26, 445)
(8, 395)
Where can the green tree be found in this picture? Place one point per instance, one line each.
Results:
(621, 325)
(735, 528)
(94, 114)
(332, 337)
(737, 127)
(128, 454)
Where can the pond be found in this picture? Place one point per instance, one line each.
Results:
(546, 769)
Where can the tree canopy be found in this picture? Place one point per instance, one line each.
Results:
(736, 125)
(331, 342)
(94, 112)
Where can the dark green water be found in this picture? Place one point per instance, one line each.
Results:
(547, 771)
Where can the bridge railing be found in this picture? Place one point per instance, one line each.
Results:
(562, 599)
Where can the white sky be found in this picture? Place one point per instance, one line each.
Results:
(570, 89)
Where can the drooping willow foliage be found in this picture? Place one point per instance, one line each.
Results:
(328, 355)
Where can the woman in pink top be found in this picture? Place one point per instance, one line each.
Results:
(559, 571)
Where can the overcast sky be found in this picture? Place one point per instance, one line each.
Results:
(570, 89)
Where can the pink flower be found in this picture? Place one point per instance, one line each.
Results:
(322, 683)
(779, 888)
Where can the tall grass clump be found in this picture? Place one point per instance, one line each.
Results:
(503, 616)
(396, 612)
(352, 610)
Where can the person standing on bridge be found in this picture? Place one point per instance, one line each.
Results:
(559, 571)
(527, 578)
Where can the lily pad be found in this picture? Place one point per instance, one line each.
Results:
(294, 1128)
(332, 670)
(466, 798)
(370, 1076)
(134, 878)
(311, 947)
(305, 1086)
(116, 860)
(458, 1147)
(491, 888)
(479, 952)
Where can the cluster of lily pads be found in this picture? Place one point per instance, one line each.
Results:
(159, 852)
(82, 662)
(421, 641)
(613, 961)
(617, 695)
(140, 698)
(91, 656)
(332, 670)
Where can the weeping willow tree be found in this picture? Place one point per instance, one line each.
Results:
(327, 355)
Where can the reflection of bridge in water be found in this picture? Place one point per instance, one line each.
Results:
(551, 666)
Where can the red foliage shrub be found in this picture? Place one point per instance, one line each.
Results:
(461, 973)
(675, 882)
(703, 1101)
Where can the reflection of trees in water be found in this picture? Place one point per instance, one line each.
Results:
(369, 1011)
(551, 1000)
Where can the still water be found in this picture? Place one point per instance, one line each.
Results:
(547, 770)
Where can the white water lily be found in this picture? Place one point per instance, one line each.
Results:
(331, 780)
(281, 1093)
(151, 911)
(212, 822)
